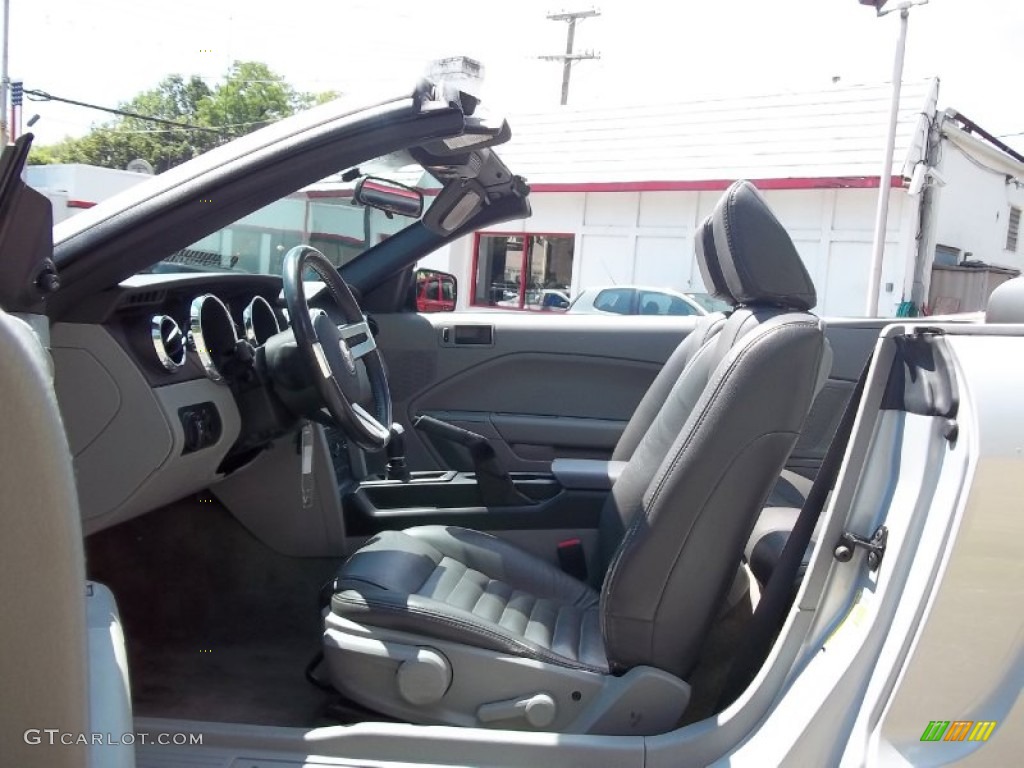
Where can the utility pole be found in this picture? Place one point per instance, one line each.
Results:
(885, 181)
(569, 58)
(4, 79)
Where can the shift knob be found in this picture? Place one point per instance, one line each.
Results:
(397, 469)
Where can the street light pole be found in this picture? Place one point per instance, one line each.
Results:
(4, 79)
(885, 180)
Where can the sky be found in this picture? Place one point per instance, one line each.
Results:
(106, 51)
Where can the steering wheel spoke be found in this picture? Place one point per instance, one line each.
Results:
(371, 423)
(362, 348)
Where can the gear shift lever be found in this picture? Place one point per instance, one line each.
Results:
(397, 468)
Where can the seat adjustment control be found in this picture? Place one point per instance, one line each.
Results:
(424, 679)
(538, 710)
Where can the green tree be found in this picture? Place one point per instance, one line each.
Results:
(250, 97)
(43, 156)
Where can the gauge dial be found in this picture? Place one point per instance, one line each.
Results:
(213, 333)
(168, 342)
(260, 321)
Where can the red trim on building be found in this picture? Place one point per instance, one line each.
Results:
(717, 185)
(315, 194)
(80, 204)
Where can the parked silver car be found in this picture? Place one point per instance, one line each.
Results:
(643, 300)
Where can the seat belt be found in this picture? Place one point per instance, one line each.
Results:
(778, 594)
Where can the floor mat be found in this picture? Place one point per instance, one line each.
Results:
(218, 626)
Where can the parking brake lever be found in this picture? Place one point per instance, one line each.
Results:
(495, 484)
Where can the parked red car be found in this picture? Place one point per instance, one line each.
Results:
(435, 291)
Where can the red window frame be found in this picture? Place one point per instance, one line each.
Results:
(527, 249)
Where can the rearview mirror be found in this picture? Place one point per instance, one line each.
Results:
(435, 291)
(389, 196)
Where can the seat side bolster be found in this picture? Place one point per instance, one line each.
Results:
(390, 561)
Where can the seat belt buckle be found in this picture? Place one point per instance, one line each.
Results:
(572, 559)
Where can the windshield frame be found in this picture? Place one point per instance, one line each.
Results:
(130, 231)
(323, 215)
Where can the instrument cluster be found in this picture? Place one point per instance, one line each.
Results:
(213, 333)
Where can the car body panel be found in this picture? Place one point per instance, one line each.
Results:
(873, 657)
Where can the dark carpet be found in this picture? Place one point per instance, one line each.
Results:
(219, 627)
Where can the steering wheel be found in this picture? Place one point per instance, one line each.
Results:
(341, 370)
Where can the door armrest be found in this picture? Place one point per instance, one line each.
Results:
(587, 474)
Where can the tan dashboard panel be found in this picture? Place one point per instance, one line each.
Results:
(129, 460)
(79, 372)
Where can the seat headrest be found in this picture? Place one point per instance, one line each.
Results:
(707, 263)
(757, 258)
(1006, 304)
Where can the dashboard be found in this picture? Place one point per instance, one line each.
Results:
(159, 389)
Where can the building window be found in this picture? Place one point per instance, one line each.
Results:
(1013, 229)
(523, 271)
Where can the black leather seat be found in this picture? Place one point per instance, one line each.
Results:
(470, 587)
(441, 624)
(704, 329)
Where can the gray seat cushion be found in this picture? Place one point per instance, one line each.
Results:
(472, 588)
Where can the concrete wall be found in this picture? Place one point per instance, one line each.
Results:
(647, 238)
(973, 207)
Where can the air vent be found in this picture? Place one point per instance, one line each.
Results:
(168, 342)
(147, 297)
(1013, 229)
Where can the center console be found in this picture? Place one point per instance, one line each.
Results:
(569, 498)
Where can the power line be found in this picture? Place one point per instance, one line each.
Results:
(44, 96)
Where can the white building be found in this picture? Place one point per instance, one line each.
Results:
(618, 192)
(74, 187)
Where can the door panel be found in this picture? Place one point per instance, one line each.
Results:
(528, 440)
(545, 386)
